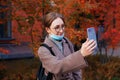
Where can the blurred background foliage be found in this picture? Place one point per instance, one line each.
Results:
(79, 14)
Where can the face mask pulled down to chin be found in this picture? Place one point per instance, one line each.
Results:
(56, 37)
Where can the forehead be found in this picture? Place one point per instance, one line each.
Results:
(57, 21)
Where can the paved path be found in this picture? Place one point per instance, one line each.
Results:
(16, 51)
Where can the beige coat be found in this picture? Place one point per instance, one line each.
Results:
(64, 66)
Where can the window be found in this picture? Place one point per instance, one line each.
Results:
(5, 21)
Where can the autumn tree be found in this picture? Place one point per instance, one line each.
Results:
(27, 17)
(108, 13)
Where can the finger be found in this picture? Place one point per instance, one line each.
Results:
(87, 39)
(94, 47)
(89, 42)
(86, 42)
(92, 44)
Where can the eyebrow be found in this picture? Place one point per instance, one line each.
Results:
(60, 25)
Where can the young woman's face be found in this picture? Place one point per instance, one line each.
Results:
(56, 27)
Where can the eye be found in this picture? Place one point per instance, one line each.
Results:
(57, 27)
(63, 25)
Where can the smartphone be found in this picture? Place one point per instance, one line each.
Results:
(91, 33)
(92, 36)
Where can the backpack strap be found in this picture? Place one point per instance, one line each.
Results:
(49, 48)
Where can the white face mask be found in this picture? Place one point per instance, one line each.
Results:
(56, 37)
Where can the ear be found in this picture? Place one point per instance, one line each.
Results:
(47, 29)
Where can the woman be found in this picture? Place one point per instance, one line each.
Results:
(66, 64)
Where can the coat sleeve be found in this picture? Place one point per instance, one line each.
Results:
(52, 64)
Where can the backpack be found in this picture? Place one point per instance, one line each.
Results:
(41, 70)
(40, 74)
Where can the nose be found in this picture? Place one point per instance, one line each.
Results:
(61, 30)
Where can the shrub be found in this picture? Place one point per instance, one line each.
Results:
(97, 70)
(2, 70)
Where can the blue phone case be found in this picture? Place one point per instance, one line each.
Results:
(92, 35)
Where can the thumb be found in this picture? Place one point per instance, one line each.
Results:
(86, 40)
